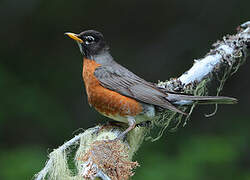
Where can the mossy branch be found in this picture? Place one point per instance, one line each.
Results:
(95, 155)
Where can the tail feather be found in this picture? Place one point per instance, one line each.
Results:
(188, 99)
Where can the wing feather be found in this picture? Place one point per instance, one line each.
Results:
(123, 81)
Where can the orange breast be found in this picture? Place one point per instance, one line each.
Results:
(104, 100)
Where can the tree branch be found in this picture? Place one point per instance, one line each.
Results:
(97, 156)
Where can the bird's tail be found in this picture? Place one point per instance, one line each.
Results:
(180, 99)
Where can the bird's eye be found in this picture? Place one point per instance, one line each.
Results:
(89, 39)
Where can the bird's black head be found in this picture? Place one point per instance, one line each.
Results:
(90, 42)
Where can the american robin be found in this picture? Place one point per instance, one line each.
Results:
(119, 94)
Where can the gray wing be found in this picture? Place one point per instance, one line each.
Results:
(123, 81)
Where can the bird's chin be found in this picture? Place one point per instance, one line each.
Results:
(80, 47)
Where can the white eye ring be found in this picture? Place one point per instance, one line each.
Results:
(89, 39)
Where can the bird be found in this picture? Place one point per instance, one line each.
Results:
(119, 94)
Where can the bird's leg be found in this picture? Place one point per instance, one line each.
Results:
(131, 123)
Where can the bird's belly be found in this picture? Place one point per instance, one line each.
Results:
(148, 114)
(111, 103)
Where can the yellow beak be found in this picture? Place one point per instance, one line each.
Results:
(74, 36)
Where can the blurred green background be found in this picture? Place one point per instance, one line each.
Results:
(43, 102)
